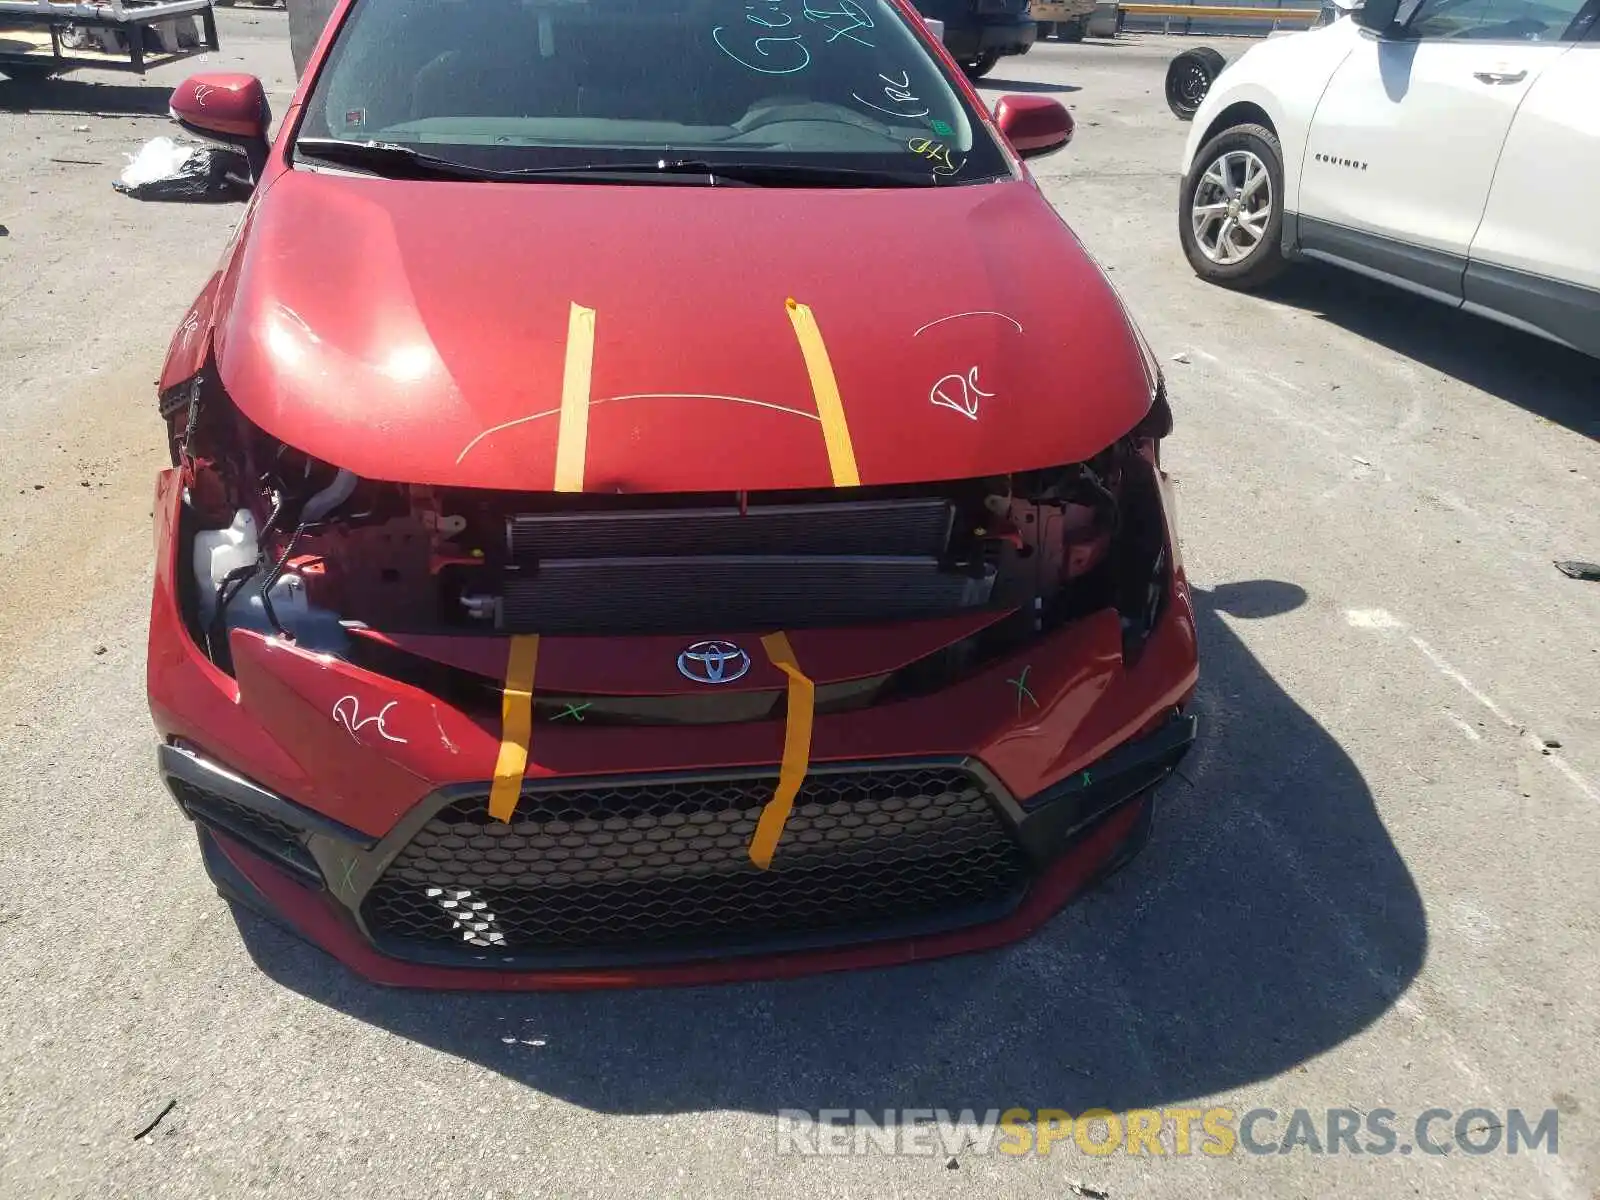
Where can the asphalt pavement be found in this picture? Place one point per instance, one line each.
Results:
(1377, 886)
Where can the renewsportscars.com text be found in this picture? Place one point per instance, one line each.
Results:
(1215, 1132)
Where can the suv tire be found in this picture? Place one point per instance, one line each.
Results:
(1230, 209)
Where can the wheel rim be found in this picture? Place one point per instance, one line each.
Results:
(1231, 208)
(1191, 85)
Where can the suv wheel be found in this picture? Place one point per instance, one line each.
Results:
(1230, 213)
(1072, 31)
(982, 65)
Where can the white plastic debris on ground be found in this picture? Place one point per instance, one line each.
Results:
(167, 170)
(159, 158)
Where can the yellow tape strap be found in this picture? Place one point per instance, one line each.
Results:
(572, 438)
(796, 751)
(516, 728)
(835, 430)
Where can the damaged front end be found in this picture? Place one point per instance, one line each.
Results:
(971, 647)
(287, 546)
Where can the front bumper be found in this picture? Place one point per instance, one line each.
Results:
(310, 820)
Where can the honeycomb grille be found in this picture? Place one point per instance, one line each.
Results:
(665, 864)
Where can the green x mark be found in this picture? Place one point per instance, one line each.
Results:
(574, 710)
(347, 883)
(1021, 684)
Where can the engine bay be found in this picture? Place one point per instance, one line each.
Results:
(293, 547)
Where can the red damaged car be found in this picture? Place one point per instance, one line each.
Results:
(657, 496)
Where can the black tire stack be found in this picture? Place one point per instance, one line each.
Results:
(1189, 78)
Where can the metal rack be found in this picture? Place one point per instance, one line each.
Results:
(55, 33)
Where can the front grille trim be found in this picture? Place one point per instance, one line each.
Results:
(1002, 899)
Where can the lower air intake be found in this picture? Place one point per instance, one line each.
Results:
(267, 835)
(663, 865)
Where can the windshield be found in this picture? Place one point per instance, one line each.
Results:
(521, 85)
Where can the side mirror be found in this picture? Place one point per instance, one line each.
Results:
(1034, 125)
(227, 108)
(1376, 15)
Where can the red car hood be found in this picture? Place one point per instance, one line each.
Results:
(417, 332)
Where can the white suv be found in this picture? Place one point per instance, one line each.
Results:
(1451, 147)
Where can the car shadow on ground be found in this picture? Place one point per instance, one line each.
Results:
(79, 96)
(1270, 919)
(1027, 85)
(1551, 381)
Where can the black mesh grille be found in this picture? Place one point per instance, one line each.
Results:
(275, 837)
(665, 864)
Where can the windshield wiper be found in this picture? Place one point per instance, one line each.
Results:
(779, 173)
(395, 161)
(388, 159)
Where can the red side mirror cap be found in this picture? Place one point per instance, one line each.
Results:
(1033, 125)
(227, 105)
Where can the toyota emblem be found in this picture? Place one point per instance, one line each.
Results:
(713, 662)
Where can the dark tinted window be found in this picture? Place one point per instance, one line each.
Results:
(1496, 20)
(529, 83)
